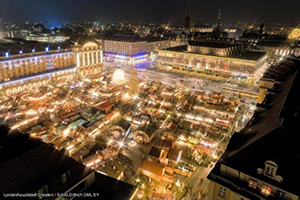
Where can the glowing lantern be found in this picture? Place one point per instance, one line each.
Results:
(118, 76)
(226, 66)
(296, 33)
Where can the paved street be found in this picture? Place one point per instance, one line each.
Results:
(191, 82)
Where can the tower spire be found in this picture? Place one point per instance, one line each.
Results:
(187, 20)
(188, 9)
(219, 17)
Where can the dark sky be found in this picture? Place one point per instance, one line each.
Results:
(202, 11)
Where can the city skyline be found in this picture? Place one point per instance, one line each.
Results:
(167, 11)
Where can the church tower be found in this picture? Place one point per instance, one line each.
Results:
(219, 19)
(218, 30)
(187, 20)
(261, 29)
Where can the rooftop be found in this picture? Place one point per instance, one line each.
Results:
(27, 47)
(149, 129)
(105, 105)
(81, 40)
(155, 152)
(21, 48)
(30, 165)
(153, 166)
(244, 55)
(271, 135)
(220, 45)
(110, 188)
(174, 154)
(124, 124)
(167, 143)
(124, 38)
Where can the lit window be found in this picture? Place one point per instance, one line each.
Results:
(281, 195)
(266, 190)
(269, 170)
(252, 183)
(222, 192)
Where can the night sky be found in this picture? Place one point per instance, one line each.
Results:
(161, 11)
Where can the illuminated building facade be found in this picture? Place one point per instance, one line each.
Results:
(28, 65)
(131, 49)
(47, 38)
(203, 28)
(158, 43)
(125, 47)
(218, 59)
(277, 45)
(89, 57)
(127, 50)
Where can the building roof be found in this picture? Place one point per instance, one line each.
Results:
(149, 129)
(113, 168)
(105, 105)
(112, 114)
(124, 124)
(110, 188)
(155, 152)
(39, 25)
(264, 37)
(124, 38)
(281, 71)
(164, 196)
(155, 39)
(14, 46)
(168, 143)
(174, 154)
(265, 121)
(28, 164)
(81, 40)
(172, 126)
(9, 141)
(33, 169)
(220, 45)
(153, 166)
(244, 55)
(272, 136)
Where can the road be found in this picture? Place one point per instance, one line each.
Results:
(191, 82)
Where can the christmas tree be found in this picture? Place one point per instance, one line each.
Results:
(180, 90)
(133, 84)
